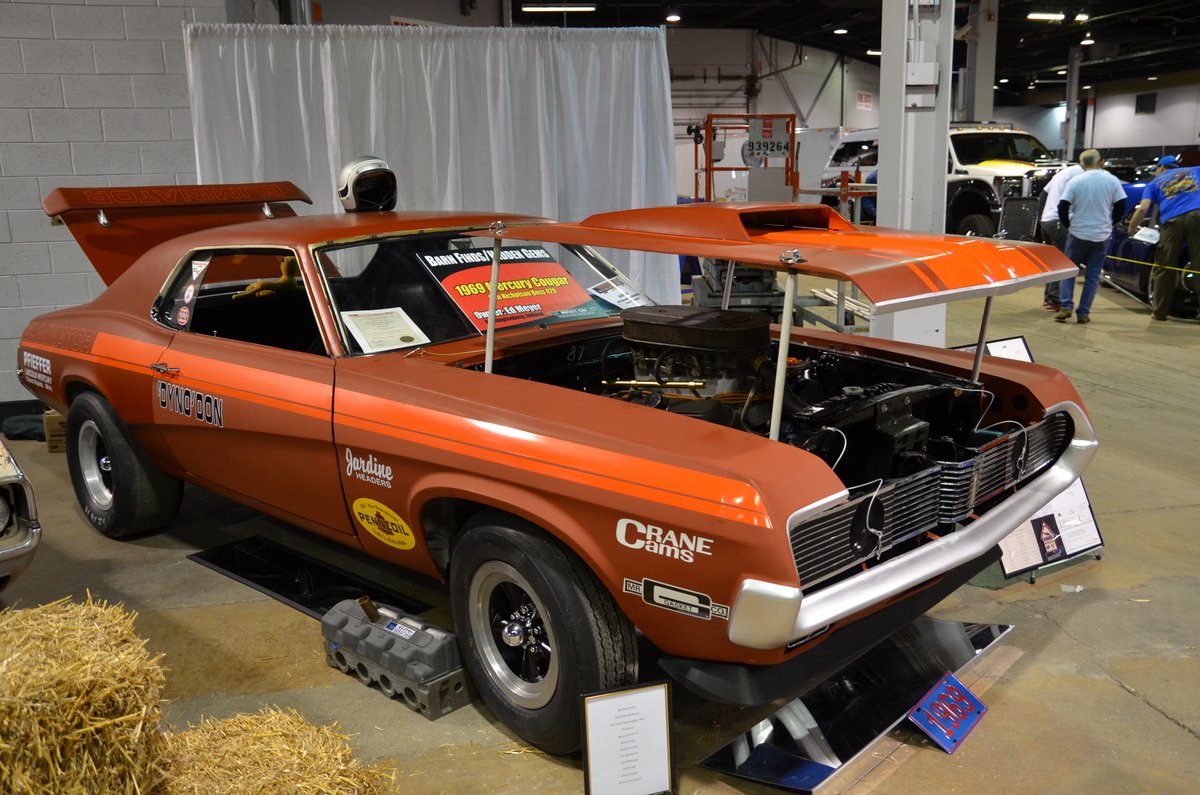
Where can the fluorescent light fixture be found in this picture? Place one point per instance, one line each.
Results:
(1087, 88)
(1082, 17)
(840, 32)
(1042, 16)
(1087, 39)
(1061, 72)
(1004, 80)
(874, 52)
(557, 8)
(1151, 78)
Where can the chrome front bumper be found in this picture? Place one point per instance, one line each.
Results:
(767, 615)
(20, 539)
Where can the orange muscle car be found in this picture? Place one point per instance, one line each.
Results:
(483, 398)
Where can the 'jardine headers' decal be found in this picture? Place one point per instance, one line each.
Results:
(533, 287)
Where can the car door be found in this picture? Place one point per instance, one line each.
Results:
(243, 395)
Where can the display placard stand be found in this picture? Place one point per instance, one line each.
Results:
(627, 741)
(1063, 532)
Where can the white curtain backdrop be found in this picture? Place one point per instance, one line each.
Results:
(546, 121)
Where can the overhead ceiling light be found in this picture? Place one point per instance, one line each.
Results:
(1151, 78)
(1081, 17)
(1041, 16)
(874, 52)
(673, 16)
(557, 8)
(1087, 88)
(840, 32)
(995, 88)
(1004, 80)
(1031, 85)
(1087, 39)
(1061, 72)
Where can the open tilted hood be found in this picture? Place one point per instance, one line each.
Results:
(895, 269)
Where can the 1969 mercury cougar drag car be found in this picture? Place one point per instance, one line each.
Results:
(485, 399)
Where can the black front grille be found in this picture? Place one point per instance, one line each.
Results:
(942, 494)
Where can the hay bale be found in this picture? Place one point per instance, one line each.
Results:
(271, 752)
(79, 701)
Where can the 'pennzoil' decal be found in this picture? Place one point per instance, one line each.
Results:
(383, 523)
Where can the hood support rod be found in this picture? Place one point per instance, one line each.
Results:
(981, 344)
(785, 339)
(490, 343)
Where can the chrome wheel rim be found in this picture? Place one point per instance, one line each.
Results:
(515, 641)
(95, 465)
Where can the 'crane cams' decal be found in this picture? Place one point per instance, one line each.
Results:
(383, 523)
(669, 543)
(681, 600)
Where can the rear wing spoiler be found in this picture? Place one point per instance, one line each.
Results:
(115, 226)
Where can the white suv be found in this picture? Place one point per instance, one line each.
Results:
(986, 164)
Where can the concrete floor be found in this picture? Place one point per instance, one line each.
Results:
(1095, 691)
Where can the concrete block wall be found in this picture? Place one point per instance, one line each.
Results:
(92, 92)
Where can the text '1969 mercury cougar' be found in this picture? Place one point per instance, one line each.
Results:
(484, 398)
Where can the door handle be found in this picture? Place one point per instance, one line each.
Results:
(161, 367)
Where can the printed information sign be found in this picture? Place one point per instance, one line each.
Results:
(533, 286)
(627, 741)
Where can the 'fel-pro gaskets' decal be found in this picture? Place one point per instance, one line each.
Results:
(680, 600)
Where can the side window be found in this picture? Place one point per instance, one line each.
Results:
(254, 295)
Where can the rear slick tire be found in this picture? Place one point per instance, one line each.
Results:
(121, 491)
(536, 630)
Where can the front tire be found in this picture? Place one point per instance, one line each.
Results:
(122, 492)
(977, 225)
(535, 629)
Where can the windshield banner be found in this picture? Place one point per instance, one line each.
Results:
(533, 286)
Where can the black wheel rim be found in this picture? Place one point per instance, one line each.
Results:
(515, 640)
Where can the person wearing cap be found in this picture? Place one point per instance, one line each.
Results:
(1175, 193)
(1091, 203)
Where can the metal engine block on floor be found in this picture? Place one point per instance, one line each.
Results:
(408, 658)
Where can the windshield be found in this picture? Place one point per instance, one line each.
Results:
(416, 290)
(974, 148)
(855, 153)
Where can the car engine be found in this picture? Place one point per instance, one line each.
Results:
(866, 418)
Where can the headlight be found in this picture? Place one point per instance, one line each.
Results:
(1009, 187)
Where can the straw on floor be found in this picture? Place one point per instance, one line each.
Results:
(79, 701)
(273, 751)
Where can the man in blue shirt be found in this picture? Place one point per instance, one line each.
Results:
(1176, 193)
(1091, 203)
